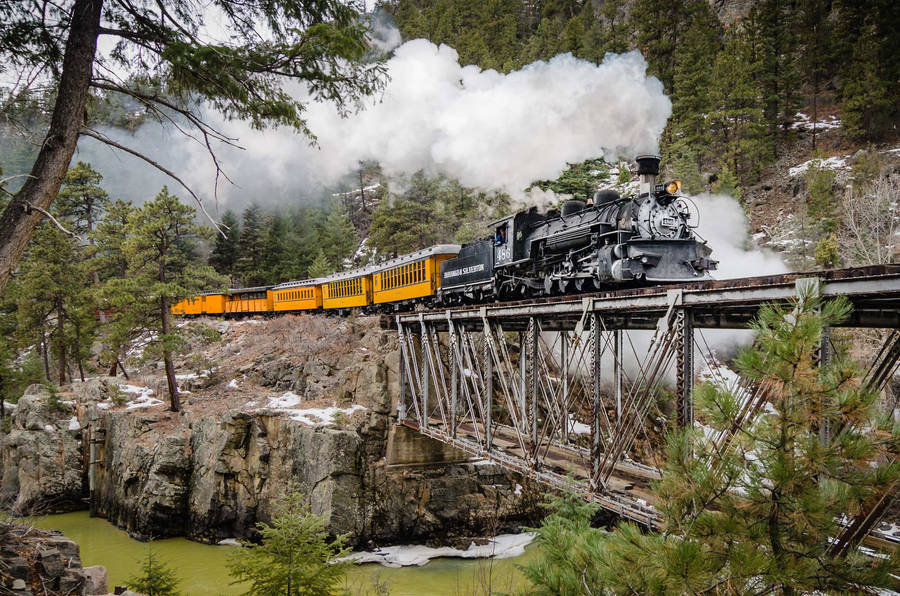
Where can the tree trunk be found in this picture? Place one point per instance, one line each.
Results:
(174, 401)
(61, 338)
(45, 355)
(122, 366)
(18, 221)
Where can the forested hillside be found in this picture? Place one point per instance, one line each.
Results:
(756, 88)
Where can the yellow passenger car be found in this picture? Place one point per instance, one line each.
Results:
(411, 276)
(297, 295)
(210, 303)
(351, 289)
(243, 301)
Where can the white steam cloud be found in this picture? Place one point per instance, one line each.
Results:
(723, 223)
(487, 129)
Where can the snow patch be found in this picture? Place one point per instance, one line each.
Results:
(143, 399)
(803, 122)
(49, 428)
(232, 384)
(286, 404)
(831, 163)
(578, 428)
(499, 547)
(73, 423)
(229, 542)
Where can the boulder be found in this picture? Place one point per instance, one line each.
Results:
(96, 580)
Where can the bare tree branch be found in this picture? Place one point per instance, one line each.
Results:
(46, 214)
(106, 140)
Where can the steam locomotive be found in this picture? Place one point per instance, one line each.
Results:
(584, 246)
(611, 242)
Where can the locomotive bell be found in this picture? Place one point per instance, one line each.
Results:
(648, 170)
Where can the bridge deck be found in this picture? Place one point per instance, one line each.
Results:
(732, 303)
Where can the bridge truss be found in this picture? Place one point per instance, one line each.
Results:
(566, 390)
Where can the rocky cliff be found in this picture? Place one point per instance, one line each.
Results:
(44, 562)
(302, 400)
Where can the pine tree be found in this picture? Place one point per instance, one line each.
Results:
(296, 556)
(761, 516)
(321, 266)
(737, 126)
(110, 261)
(339, 236)
(773, 26)
(161, 238)
(276, 258)
(225, 253)
(817, 58)
(657, 24)
(692, 77)
(81, 199)
(865, 97)
(252, 247)
(155, 578)
(53, 295)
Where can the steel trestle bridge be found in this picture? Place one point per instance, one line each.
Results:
(564, 391)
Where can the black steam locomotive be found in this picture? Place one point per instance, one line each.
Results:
(610, 243)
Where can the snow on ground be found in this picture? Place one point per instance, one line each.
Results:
(803, 122)
(288, 402)
(137, 348)
(498, 547)
(232, 384)
(830, 163)
(578, 428)
(143, 399)
(73, 423)
(49, 428)
(191, 375)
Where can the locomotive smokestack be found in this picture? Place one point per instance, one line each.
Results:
(648, 170)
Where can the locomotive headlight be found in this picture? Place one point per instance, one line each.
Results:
(673, 187)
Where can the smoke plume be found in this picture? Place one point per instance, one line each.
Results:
(487, 129)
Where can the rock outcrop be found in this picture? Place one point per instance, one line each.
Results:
(44, 562)
(213, 470)
(41, 456)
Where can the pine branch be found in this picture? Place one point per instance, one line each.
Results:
(106, 140)
(29, 206)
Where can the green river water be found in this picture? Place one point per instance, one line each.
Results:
(201, 567)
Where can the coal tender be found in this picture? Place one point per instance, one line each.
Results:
(610, 242)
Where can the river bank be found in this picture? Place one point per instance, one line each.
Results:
(202, 569)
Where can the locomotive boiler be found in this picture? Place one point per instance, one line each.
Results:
(610, 242)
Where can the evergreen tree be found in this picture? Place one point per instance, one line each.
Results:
(276, 257)
(759, 517)
(226, 251)
(692, 78)
(159, 248)
(155, 578)
(338, 236)
(252, 247)
(110, 261)
(737, 127)
(866, 99)
(53, 295)
(81, 199)
(773, 26)
(296, 557)
(321, 266)
(817, 58)
(657, 25)
(579, 180)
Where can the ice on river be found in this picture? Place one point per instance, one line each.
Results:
(498, 547)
